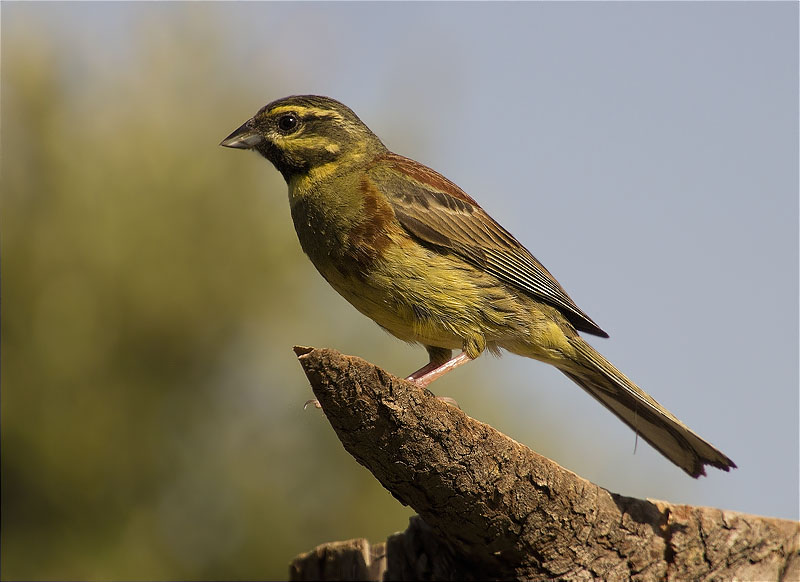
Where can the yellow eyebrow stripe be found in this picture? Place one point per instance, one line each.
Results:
(313, 111)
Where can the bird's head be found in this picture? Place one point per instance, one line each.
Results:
(302, 133)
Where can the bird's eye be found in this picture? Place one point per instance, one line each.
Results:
(287, 122)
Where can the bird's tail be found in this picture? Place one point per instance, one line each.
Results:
(641, 412)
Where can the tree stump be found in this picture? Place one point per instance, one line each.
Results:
(491, 508)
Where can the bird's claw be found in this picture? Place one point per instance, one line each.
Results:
(448, 400)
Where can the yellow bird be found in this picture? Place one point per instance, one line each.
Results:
(413, 252)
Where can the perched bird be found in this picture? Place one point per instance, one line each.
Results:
(412, 251)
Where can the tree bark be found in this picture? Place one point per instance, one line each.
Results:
(490, 508)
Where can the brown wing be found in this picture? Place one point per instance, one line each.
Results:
(438, 212)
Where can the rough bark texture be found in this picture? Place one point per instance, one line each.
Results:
(490, 508)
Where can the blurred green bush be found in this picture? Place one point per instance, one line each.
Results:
(152, 422)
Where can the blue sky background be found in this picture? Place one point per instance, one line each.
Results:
(646, 154)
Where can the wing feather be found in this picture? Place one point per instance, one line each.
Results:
(437, 212)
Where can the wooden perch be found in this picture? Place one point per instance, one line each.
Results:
(490, 508)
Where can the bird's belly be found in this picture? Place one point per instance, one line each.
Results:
(401, 314)
(420, 295)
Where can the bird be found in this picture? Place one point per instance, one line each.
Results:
(415, 253)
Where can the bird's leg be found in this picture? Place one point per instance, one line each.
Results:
(437, 357)
(431, 373)
(441, 363)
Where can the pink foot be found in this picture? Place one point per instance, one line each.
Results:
(428, 373)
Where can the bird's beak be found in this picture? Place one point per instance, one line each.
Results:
(243, 138)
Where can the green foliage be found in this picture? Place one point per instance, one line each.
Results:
(152, 422)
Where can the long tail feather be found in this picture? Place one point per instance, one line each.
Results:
(642, 413)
